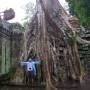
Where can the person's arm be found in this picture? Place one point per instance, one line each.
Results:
(23, 63)
(37, 62)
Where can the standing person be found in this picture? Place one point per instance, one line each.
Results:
(30, 69)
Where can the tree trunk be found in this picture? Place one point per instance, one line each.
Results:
(74, 62)
(77, 61)
(44, 45)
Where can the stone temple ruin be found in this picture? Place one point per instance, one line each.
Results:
(47, 34)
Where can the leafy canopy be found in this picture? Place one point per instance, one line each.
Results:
(81, 9)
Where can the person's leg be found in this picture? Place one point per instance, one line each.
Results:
(26, 78)
(33, 76)
(30, 77)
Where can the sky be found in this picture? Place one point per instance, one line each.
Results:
(18, 6)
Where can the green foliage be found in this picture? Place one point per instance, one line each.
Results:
(81, 8)
(71, 37)
(82, 66)
(11, 72)
(8, 75)
(16, 27)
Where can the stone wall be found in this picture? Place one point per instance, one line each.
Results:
(5, 48)
(17, 47)
(11, 46)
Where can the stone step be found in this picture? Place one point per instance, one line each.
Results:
(22, 87)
